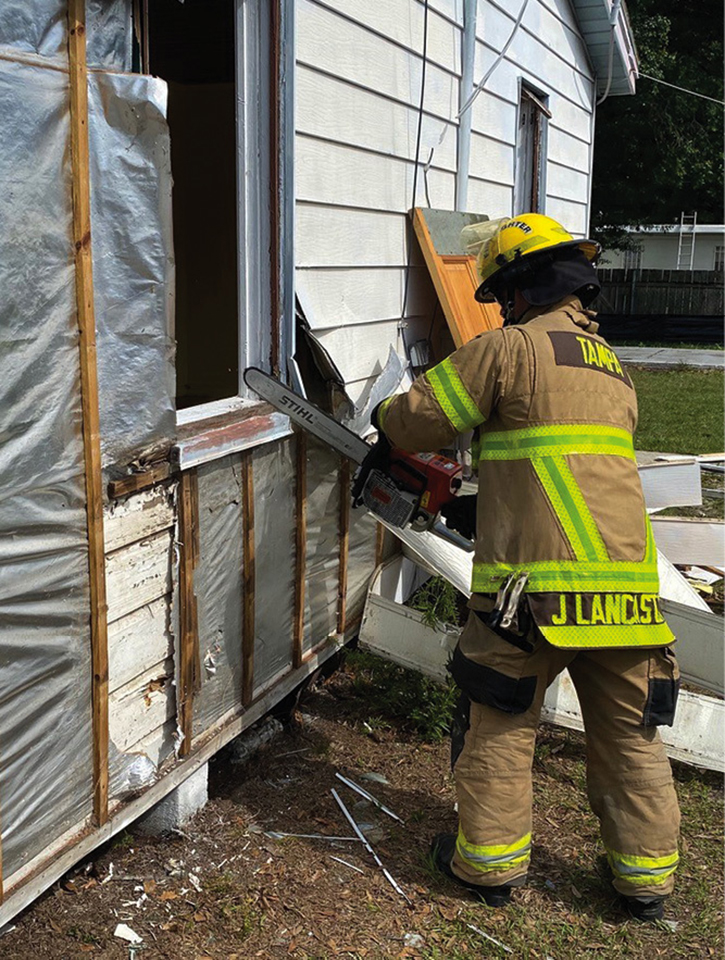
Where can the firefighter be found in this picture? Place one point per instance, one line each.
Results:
(564, 572)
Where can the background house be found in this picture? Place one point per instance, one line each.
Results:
(699, 246)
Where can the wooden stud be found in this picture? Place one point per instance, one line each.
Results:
(344, 544)
(136, 482)
(248, 579)
(300, 548)
(188, 666)
(80, 180)
(379, 544)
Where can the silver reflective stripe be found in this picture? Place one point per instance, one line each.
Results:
(492, 860)
(624, 869)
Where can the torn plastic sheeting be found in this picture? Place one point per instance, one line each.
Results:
(218, 588)
(361, 560)
(384, 386)
(45, 681)
(40, 27)
(131, 212)
(274, 534)
(323, 543)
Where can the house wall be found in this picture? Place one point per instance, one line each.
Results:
(358, 85)
(659, 251)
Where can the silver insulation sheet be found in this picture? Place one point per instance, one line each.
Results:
(45, 669)
(40, 27)
(274, 536)
(361, 562)
(219, 588)
(323, 543)
(133, 270)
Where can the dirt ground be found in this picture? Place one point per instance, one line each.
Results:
(225, 890)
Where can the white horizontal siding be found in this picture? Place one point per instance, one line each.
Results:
(334, 109)
(358, 90)
(338, 46)
(346, 297)
(337, 174)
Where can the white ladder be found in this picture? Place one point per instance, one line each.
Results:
(686, 241)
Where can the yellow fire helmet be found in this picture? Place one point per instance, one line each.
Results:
(522, 237)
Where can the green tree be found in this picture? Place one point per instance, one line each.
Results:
(660, 152)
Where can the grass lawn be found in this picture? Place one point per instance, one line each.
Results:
(680, 410)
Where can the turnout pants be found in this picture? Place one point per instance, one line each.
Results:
(624, 694)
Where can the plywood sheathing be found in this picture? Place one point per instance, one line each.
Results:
(454, 273)
(80, 178)
(189, 678)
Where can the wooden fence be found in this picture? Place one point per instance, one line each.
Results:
(682, 293)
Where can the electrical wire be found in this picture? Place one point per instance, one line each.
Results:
(421, 102)
(674, 86)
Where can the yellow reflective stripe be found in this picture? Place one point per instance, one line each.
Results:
(382, 410)
(570, 576)
(570, 507)
(456, 402)
(485, 858)
(609, 635)
(642, 870)
(557, 440)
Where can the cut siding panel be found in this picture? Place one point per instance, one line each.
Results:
(362, 352)
(138, 574)
(565, 149)
(138, 641)
(492, 160)
(402, 21)
(330, 107)
(344, 49)
(490, 198)
(574, 216)
(328, 173)
(342, 298)
(567, 183)
(335, 237)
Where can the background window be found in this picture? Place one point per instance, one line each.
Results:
(530, 151)
(719, 263)
(633, 257)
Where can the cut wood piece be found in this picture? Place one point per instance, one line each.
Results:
(80, 190)
(454, 273)
(188, 666)
(138, 641)
(139, 574)
(344, 544)
(689, 541)
(671, 484)
(136, 482)
(300, 548)
(142, 705)
(248, 630)
(137, 518)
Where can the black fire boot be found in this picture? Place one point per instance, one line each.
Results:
(442, 848)
(646, 909)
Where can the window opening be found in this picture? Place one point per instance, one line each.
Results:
(192, 46)
(530, 150)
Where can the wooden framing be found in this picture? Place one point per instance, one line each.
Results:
(248, 579)
(188, 667)
(137, 482)
(300, 547)
(80, 178)
(345, 474)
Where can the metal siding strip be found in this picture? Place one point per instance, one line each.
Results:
(78, 80)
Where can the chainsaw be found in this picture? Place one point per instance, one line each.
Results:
(401, 488)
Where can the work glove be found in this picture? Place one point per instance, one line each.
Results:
(460, 515)
(377, 459)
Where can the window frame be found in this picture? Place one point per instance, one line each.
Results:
(264, 77)
(718, 256)
(539, 100)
